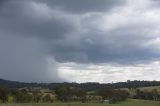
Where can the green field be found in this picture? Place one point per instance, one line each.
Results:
(150, 88)
(130, 102)
(147, 88)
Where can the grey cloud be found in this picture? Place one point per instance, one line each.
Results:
(84, 6)
(68, 44)
(22, 18)
(105, 49)
(31, 31)
(153, 3)
(2, 1)
(24, 60)
(23, 42)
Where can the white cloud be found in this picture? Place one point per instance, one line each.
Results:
(109, 73)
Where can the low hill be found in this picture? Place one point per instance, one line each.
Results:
(90, 86)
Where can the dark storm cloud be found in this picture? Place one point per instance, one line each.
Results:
(24, 33)
(24, 60)
(116, 48)
(25, 18)
(1, 2)
(70, 31)
(83, 6)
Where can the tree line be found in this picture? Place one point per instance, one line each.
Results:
(66, 93)
(91, 86)
(23, 96)
(21, 92)
(62, 93)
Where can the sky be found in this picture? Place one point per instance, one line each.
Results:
(79, 40)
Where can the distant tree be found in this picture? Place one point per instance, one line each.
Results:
(156, 95)
(21, 96)
(81, 94)
(106, 93)
(113, 95)
(3, 94)
(47, 98)
(63, 93)
(119, 95)
(37, 96)
(147, 95)
(24, 91)
(67, 93)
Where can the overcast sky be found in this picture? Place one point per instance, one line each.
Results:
(79, 40)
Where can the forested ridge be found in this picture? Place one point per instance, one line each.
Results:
(88, 86)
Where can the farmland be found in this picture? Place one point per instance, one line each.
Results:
(73, 94)
(130, 102)
(148, 89)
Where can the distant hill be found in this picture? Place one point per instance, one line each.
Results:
(13, 84)
(90, 86)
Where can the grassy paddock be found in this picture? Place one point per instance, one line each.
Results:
(130, 102)
(150, 88)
